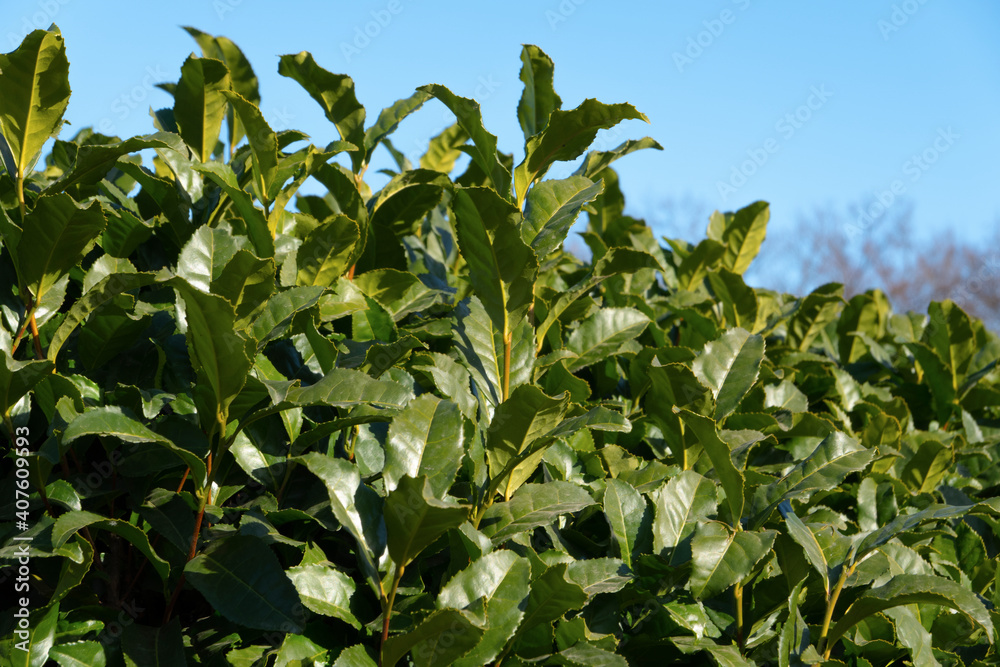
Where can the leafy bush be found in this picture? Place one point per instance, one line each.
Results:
(256, 427)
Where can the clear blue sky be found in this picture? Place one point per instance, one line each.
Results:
(887, 81)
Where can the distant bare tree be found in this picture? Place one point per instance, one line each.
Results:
(861, 253)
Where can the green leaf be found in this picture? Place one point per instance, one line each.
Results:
(443, 149)
(263, 145)
(69, 523)
(835, 457)
(325, 590)
(355, 656)
(531, 506)
(327, 252)
(523, 418)
(276, 316)
(722, 557)
(57, 234)
(110, 421)
(681, 503)
(602, 334)
(199, 103)
(414, 518)
(583, 654)
(17, 378)
(334, 93)
(598, 161)
(440, 639)
(501, 266)
(162, 646)
(470, 118)
(566, 137)
(481, 347)
(341, 387)
(502, 580)
(389, 119)
(729, 366)
(93, 162)
(906, 589)
(551, 596)
(222, 357)
(256, 224)
(34, 94)
(426, 438)
(242, 579)
(599, 575)
(539, 98)
(625, 510)
(905, 523)
(739, 302)
(743, 233)
(79, 654)
(551, 210)
(38, 644)
(720, 454)
(805, 538)
(399, 292)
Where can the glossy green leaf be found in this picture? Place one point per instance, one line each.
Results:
(551, 596)
(531, 506)
(57, 234)
(539, 98)
(484, 153)
(34, 94)
(241, 578)
(355, 656)
(680, 504)
(443, 149)
(263, 144)
(334, 93)
(566, 137)
(805, 538)
(39, 642)
(79, 654)
(914, 588)
(325, 590)
(551, 210)
(602, 334)
(720, 454)
(69, 523)
(729, 367)
(327, 252)
(18, 377)
(625, 510)
(390, 117)
(253, 217)
(722, 557)
(199, 104)
(441, 638)
(742, 233)
(597, 161)
(93, 162)
(414, 518)
(425, 439)
(144, 645)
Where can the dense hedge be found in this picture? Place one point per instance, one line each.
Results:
(255, 427)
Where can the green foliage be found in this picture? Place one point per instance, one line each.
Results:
(254, 427)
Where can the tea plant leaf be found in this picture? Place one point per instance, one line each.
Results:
(583, 654)
(597, 161)
(341, 387)
(257, 228)
(112, 422)
(389, 119)
(444, 149)
(325, 590)
(520, 420)
(906, 589)
(722, 557)
(199, 104)
(69, 523)
(566, 137)
(470, 119)
(599, 575)
(624, 508)
(79, 654)
(425, 438)
(143, 645)
(794, 638)
(17, 378)
(34, 94)
(242, 579)
(504, 604)
(355, 656)
(57, 234)
(551, 210)
(720, 454)
(680, 504)
(444, 636)
(742, 233)
(602, 334)
(834, 458)
(327, 252)
(729, 366)
(334, 93)
(414, 518)
(805, 538)
(551, 596)
(263, 145)
(531, 506)
(539, 98)
(93, 162)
